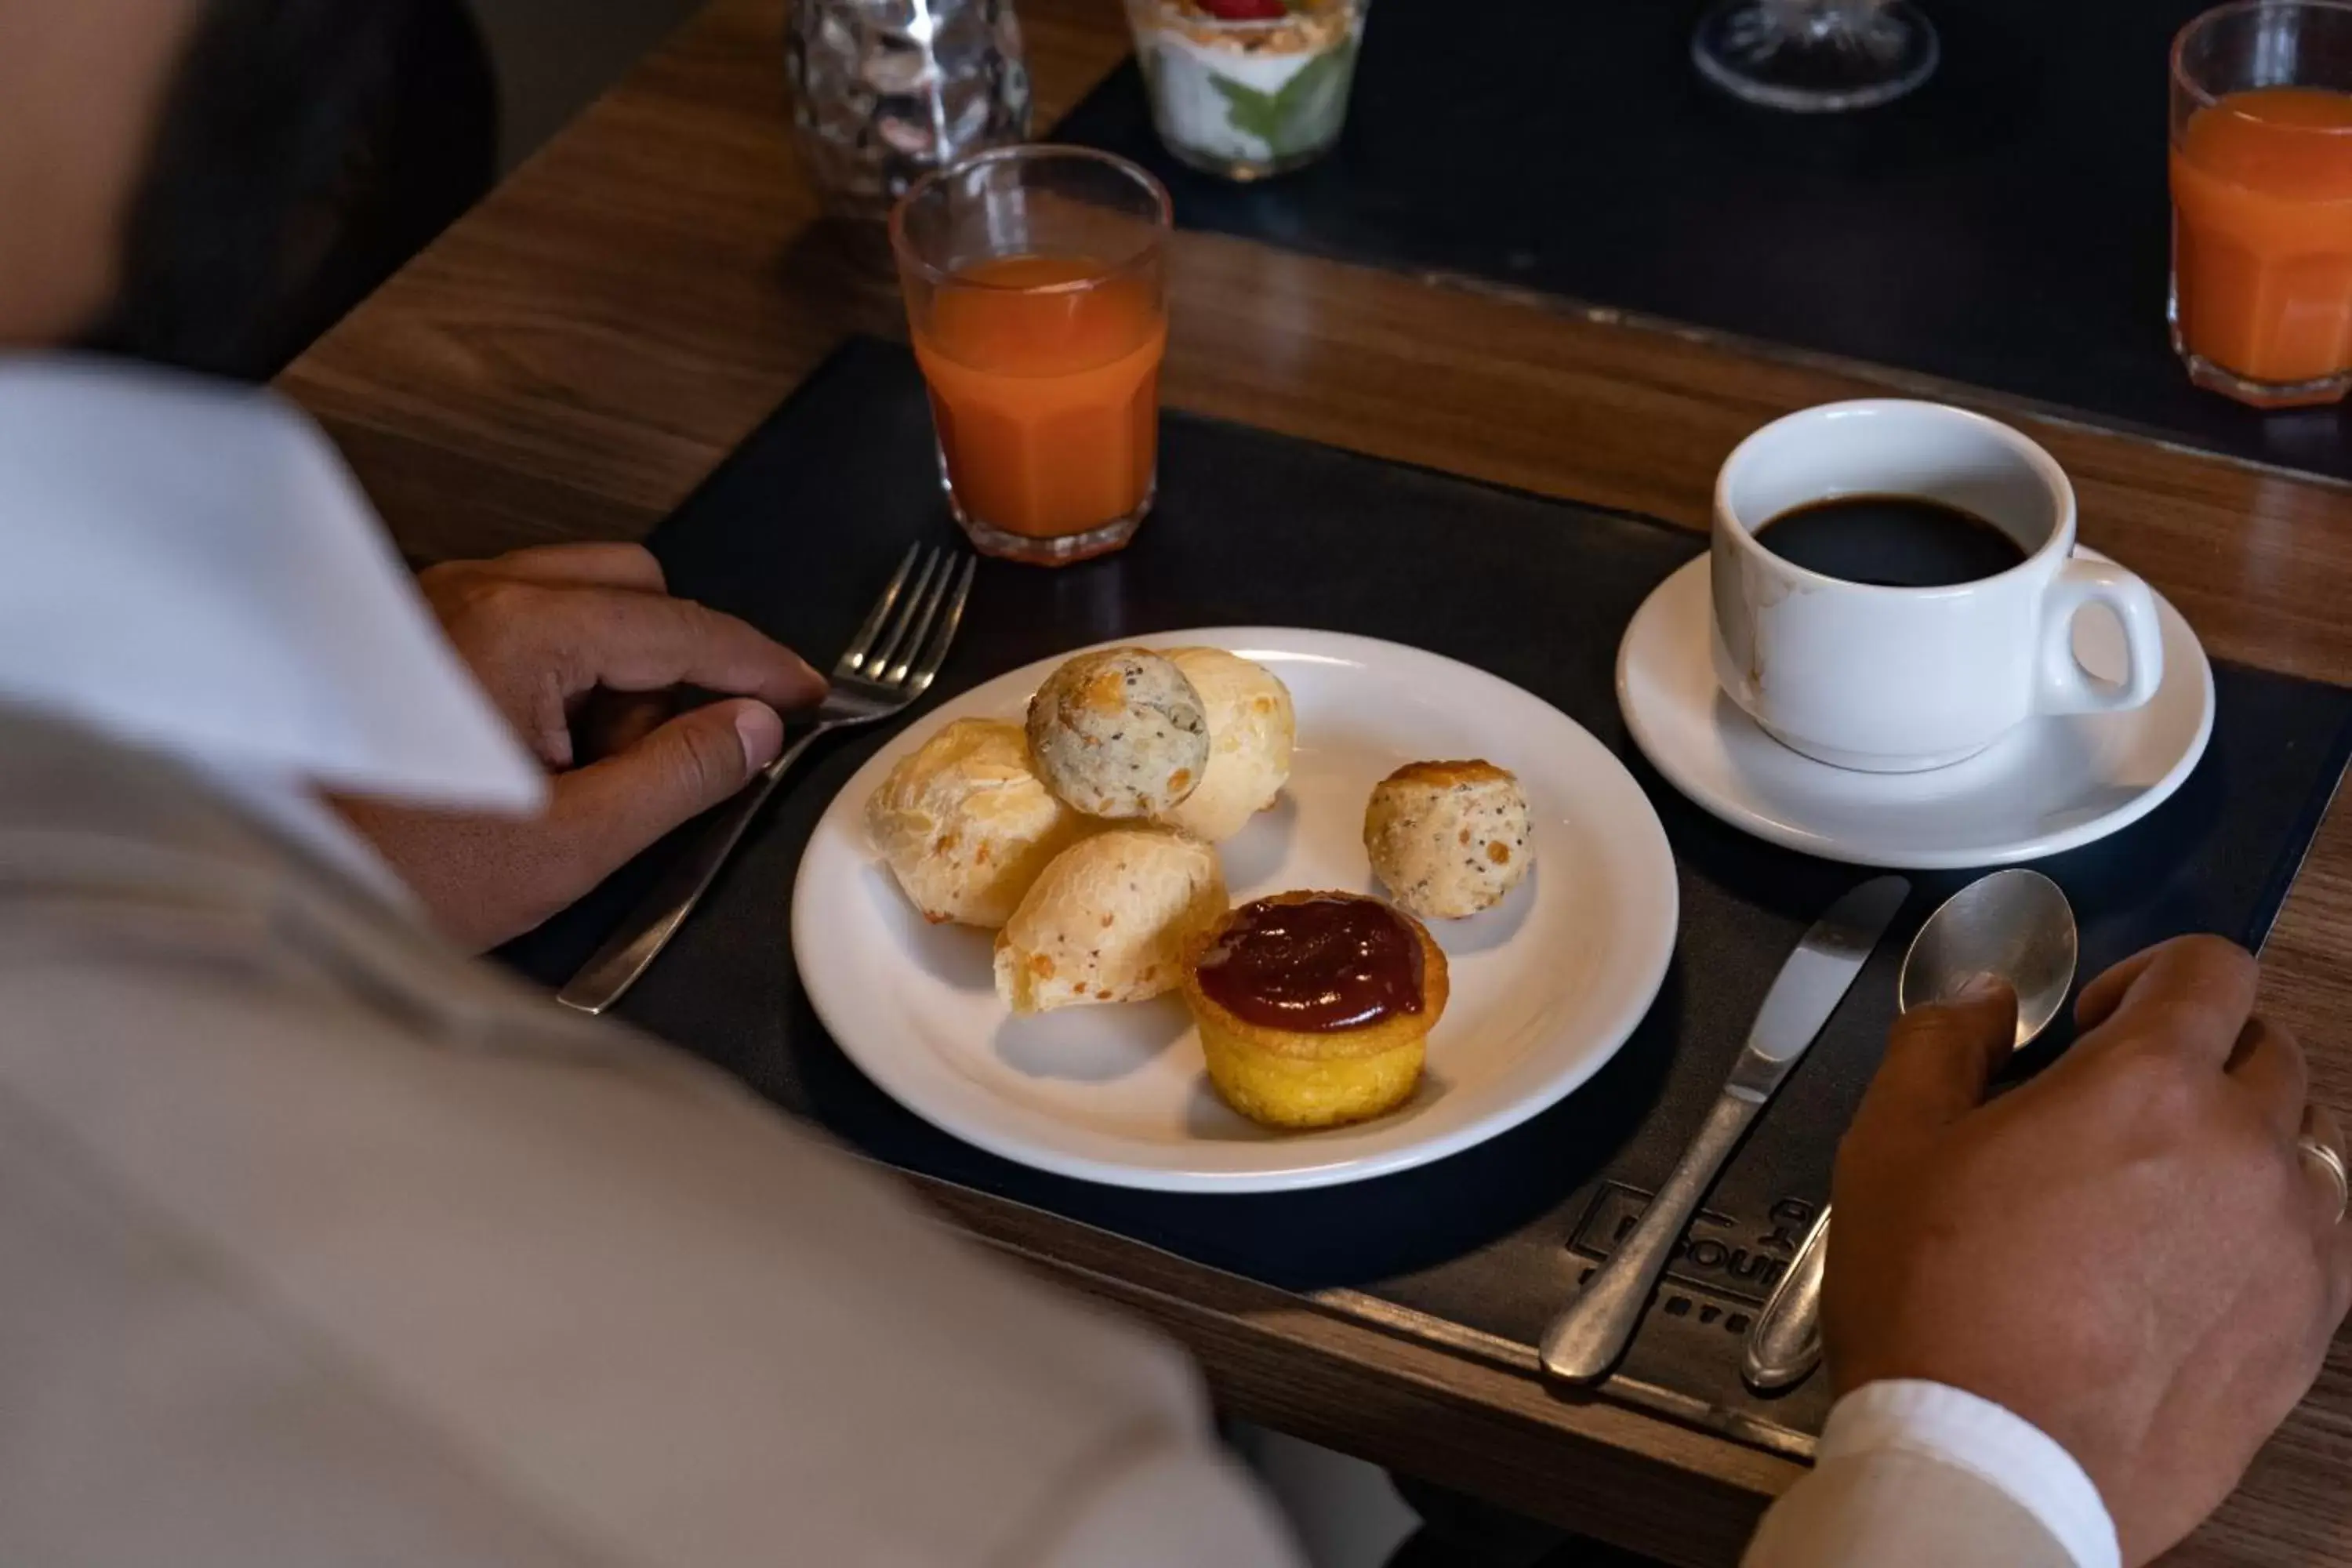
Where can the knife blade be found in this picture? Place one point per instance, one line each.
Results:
(1588, 1336)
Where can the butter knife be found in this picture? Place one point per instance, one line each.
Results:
(1588, 1337)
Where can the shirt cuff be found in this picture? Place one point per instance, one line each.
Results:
(2004, 1449)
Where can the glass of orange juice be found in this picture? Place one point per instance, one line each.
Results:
(2262, 201)
(1035, 287)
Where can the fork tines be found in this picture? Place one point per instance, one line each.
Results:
(905, 637)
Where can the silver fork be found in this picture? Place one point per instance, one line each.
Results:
(890, 662)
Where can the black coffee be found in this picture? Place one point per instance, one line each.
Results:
(1894, 542)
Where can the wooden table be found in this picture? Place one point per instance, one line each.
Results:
(575, 355)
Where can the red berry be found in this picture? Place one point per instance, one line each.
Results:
(1245, 10)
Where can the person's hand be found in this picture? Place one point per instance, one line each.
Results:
(2127, 1251)
(584, 651)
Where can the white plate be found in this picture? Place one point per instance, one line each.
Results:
(2050, 785)
(1546, 986)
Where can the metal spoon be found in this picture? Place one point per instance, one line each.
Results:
(2016, 924)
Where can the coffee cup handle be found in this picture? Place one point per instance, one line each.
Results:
(2066, 686)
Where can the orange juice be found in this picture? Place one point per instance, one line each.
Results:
(1045, 380)
(2262, 194)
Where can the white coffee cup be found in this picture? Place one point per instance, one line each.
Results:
(1894, 680)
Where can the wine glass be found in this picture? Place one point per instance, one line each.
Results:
(1815, 57)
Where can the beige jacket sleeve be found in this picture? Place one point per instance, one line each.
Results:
(321, 1245)
(1896, 1508)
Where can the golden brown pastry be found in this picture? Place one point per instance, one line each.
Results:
(1110, 921)
(966, 825)
(1251, 726)
(1449, 839)
(1315, 1008)
(1119, 733)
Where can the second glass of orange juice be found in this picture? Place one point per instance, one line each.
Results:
(2262, 201)
(1036, 295)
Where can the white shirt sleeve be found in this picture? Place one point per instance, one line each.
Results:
(1952, 1427)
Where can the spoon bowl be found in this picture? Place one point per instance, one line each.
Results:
(2014, 924)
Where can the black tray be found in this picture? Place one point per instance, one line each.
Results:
(802, 526)
(2008, 226)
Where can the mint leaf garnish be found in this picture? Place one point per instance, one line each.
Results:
(1253, 114)
(1294, 119)
(1305, 106)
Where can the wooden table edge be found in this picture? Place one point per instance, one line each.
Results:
(1299, 1363)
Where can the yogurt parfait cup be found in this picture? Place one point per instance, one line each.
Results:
(1246, 89)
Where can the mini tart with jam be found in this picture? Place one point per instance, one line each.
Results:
(1315, 1008)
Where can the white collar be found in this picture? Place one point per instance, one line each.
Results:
(187, 566)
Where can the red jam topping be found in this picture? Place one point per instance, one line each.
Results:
(1314, 965)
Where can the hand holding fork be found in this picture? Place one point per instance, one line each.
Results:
(890, 662)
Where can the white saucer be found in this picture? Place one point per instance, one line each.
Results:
(2051, 785)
